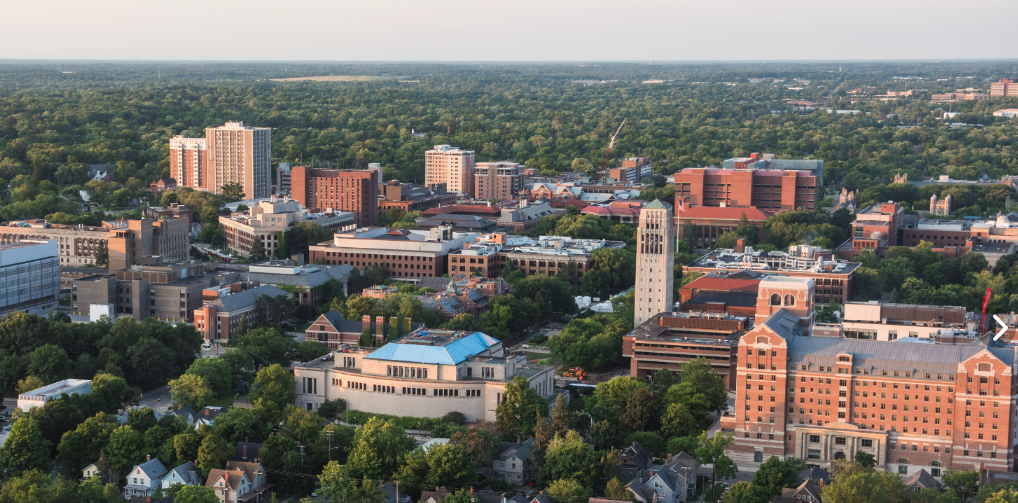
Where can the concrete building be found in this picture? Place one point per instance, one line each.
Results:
(218, 319)
(953, 97)
(174, 210)
(632, 170)
(701, 226)
(406, 253)
(667, 340)
(833, 278)
(38, 397)
(524, 217)
(490, 253)
(452, 166)
(425, 374)
(283, 178)
(757, 181)
(129, 242)
(1004, 88)
(409, 197)
(940, 207)
(502, 181)
(166, 291)
(912, 406)
(882, 321)
(1006, 112)
(267, 219)
(303, 280)
(31, 277)
(348, 190)
(189, 162)
(655, 249)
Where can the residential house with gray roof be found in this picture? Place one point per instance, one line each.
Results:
(513, 462)
(144, 479)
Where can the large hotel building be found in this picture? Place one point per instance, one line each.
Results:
(912, 405)
(232, 153)
(452, 166)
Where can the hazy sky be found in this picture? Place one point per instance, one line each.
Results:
(514, 30)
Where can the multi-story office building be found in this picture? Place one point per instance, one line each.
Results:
(703, 225)
(406, 253)
(166, 291)
(884, 321)
(489, 254)
(759, 181)
(632, 170)
(498, 180)
(350, 190)
(953, 97)
(1006, 112)
(29, 276)
(232, 153)
(911, 406)
(409, 197)
(875, 228)
(1004, 88)
(425, 374)
(666, 340)
(174, 210)
(218, 319)
(301, 280)
(833, 278)
(283, 178)
(268, 219)
(655, 261)
(452, 166)
(129, 242)
(189, 162)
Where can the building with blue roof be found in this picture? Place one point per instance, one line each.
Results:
(426, 373)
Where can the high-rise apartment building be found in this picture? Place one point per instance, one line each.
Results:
(188, 162)
(655, 258)
(498, 180)
(232, 153)
(450, 165)
(758, 181)
(350, 190)
(1004, 87)
(632, 170)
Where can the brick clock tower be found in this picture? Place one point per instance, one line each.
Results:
(655, 258)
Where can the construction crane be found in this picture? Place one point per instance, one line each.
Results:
(604, 165)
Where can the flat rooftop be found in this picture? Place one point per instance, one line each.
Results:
(775, 261)
(57, 388)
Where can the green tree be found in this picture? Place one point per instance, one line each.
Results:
(858, 485)
(275, 384)
(186, 444)
(561, 421)
(521, 405)
(699, 373)
(50, 363)
(641, 409)
(25, 448)
(102, 255)
(192, 390)
(125, 448)
(612, 396)
(481, 445)
(616, 491)
(744, 492)
(566, 490)
(216, 372)
(775, 474)
(963, 483)
(865, 459)
(29, 383)
(232, 191)
(141, 419)
(267, 346)
(213, 452)
(376, 450)
(711, 451)
(195, 494)
(257, 253)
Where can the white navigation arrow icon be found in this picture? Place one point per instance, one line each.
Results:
(1003, 328)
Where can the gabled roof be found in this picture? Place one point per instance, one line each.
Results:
(247, 298)
(815, 474)
(449, 354)
(153, 469)
(440, 493)
(186, 472)
(184, 412)
(784, 323)
(254, 451)
(521, 451)
(437, 284)
(250, 469)
(921, 479)
(233, 478)
(390, 490)
(682, 460)
(637, 453)
(488, 495)
(641, 491)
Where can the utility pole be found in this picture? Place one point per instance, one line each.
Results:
(328, 433)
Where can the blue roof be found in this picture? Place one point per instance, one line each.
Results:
(449, 354)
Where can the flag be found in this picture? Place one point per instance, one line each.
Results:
(680, 205)
(982, 320)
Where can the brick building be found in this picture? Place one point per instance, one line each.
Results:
(722, 292)
(757, 181)
(632, 170)
(614, 213)
(162, 184)
(218, 319)
(913, 407)
(1004, 88)
(167, 292)
(349, 190)
(174, 210)
(189, 162)
(232, 153)
(498, 180)
(953, 97)
(703, 225)
(451, 166)
(875, 228)
(406, 253)
(409, 197)
(335, 331)
(490, 253)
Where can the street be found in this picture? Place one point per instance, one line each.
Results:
(157, 399)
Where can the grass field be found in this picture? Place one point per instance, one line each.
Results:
(335, 78)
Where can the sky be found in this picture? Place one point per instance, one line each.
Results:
(515, 30)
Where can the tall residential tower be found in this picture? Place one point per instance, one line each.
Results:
(655, 259)
(451, 166)
(228, 154)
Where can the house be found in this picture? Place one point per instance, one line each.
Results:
(393, 494)
(921, 480)
(161, 185)
(685, 467)
(229, 485)
(513, 462)
(247, 451)
(542, 497)
(807, 492)
(187, 474)
(105, 474)
(207, 416)
(185, 412)
(436, 496)
(254, 472)
(635, 457)
(144, 479)
(818, 475)
(488, 495)
(519, 498)
(667, 483)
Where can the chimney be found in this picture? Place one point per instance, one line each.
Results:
(366, 322)
(148, 499)
(740, 245)
(380, 325)
(148, 457)
(243, 454)
(180, 406)
(206, 412)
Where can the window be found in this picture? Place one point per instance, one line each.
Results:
(866, 443)
(839, 440)
(758, 457)
(814, 438)
(813, 454)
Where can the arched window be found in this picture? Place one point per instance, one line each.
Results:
(935, 463)
(775, 300)
(839, 455)
(902, 461)
(789, 300)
